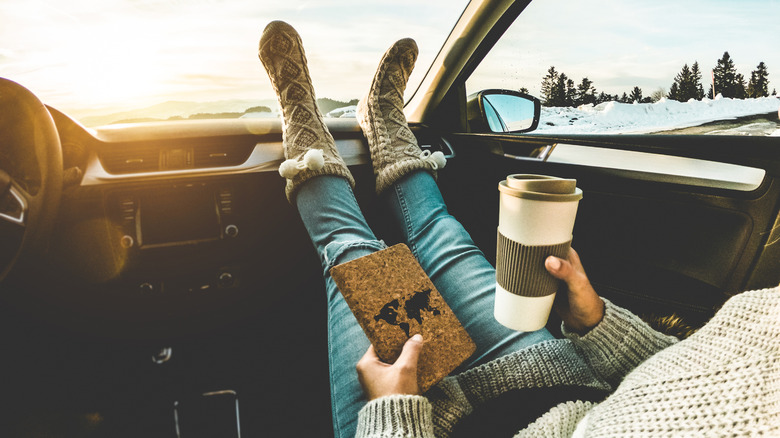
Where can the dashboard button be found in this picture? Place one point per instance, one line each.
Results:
(231, 230)
(127, 241)
(226, 279)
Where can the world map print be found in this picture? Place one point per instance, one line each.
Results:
(400, 313)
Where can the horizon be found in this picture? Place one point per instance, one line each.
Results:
(153, 51)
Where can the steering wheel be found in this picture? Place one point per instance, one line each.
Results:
(30, 175)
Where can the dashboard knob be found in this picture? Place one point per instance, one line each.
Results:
(127, 241)
(231, 230)
(226, 279)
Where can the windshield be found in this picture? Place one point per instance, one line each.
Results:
(109, 61)
(637, 66)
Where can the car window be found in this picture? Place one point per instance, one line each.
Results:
(629, 66)
(108, 61)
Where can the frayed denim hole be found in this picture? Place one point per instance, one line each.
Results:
(332, 253)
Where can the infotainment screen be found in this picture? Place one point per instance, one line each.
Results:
(178, 215)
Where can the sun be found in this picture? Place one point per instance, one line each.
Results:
(120, 67)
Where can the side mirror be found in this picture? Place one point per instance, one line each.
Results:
(503, 111)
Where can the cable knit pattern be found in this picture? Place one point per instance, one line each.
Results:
(550, 363)
(393, 146)
(559, 422)
(303, 128)
(396, 416)
(619, 344)
(730, 370)
(722, 381)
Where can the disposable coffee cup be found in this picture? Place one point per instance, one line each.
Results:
(535, 220)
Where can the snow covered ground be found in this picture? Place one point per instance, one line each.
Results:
(637, 118)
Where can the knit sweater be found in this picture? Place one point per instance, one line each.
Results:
(724, 380)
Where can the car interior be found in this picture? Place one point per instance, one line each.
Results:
(153, 275)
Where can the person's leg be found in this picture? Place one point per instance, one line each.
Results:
(320, 186)
(339, 233)
(404, 179)
(456, 266)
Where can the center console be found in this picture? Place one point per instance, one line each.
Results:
(174, 215)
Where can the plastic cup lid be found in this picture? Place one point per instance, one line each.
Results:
(541, 187)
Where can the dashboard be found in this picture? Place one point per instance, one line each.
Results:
(162, 224)
(169, 227)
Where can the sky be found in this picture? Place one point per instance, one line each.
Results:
(88, 53)
(108, 54)
(619, 44)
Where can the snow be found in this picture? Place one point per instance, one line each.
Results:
(638, 118)
(346, 112)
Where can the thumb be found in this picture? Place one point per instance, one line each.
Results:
(411, 352)
(559, 268)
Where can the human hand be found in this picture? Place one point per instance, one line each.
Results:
(379, 379)
(578, 305)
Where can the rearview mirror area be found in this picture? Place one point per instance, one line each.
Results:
(501, 111)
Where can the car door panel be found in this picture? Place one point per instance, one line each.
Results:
(652, 242)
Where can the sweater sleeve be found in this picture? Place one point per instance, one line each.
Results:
(396, 416)
(619, 343)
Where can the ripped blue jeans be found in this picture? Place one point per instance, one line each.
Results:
(446, 252)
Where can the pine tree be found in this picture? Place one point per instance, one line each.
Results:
(636, 95)
(558, 91)
(523, 90)
(674, 92)
(548, 86)
(624, 98)
(759, 83)
(696, 76)
(571, 93)
(687, 84)
(740, 86)
(725, 76)
(685, 81)
(604, 97)
(586, 92)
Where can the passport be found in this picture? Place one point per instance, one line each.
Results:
(393, 299)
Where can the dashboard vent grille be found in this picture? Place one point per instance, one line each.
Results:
(135, 159)
(220, 155)
(124, 159)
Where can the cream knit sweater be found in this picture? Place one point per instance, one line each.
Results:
(722, 381)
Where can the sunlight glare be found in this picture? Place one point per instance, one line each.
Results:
(119, 67)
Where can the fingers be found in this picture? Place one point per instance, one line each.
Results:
(574, 259)
(410, 353)
(570, 271)
(379, 379)
(580, 308)
(369, 356)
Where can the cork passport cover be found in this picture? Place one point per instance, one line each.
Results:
(393, 299)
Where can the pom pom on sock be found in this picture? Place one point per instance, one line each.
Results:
(313, 159)
(436, 159)
(288, 169)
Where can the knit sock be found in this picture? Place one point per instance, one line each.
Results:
(308, 145)
(393, 146)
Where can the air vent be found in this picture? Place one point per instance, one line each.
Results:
(126, 159)
(220, 155)
(134, 158)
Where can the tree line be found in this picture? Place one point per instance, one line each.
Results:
(560, 90)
